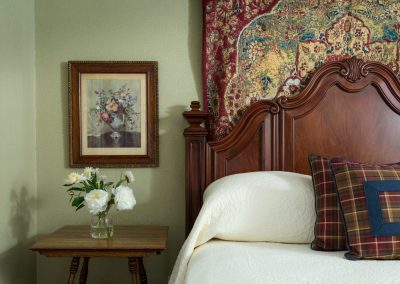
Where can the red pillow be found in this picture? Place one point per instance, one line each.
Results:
(329, 228)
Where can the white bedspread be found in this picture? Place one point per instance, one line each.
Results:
(259, 263)
(258, 206)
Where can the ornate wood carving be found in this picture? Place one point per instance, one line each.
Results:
(348, 109)
(354, 69)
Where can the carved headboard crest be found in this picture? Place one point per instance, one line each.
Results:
(354, 69)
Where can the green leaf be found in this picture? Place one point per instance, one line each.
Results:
(78, 201)
(79, 207)
(88, 187)
(76, 189)
(92, 183)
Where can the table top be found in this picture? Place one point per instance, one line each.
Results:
(74, 240)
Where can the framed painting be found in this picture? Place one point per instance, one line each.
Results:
(113, 114)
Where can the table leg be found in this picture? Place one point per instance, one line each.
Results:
(142, 271)
(133, 269)
(73, 268)
(84, 271)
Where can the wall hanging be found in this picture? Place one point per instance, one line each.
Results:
(262, 49)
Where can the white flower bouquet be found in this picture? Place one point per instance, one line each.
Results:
(90, 189)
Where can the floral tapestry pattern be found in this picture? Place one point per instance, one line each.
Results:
(262, 49)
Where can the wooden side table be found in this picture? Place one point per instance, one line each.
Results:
(133, 242)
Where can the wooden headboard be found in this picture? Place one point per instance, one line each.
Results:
(349, 109)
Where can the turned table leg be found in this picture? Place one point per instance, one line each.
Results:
(84, 271)
(73, 268)
(133, 269)
(142, 271)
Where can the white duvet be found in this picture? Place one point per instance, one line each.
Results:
(258, 206)
(230, 262)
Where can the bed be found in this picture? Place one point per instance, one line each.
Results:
(349, 109)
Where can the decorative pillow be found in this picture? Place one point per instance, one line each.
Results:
(268, 206)
(363, 241)
(329, 228)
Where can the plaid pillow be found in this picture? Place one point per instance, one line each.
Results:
(329, 228)
(390, 206)
(350, 178)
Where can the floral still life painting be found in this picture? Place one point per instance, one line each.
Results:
(115, 114)
(90, 189)
(112, 113)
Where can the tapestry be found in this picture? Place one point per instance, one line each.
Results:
(262, 49)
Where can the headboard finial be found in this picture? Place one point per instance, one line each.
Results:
(354, 69)
(195, 117)
(195, 105)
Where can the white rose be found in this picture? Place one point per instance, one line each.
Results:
(74, 178)
(129, 176)
(124, 198)
(96, 200)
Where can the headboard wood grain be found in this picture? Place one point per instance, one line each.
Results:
(349, 109)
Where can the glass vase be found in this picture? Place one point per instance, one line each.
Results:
(101, 226)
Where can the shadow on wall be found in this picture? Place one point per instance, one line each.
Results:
(18, 264)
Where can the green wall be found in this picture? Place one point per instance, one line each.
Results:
(17, 142)
(167, 31)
